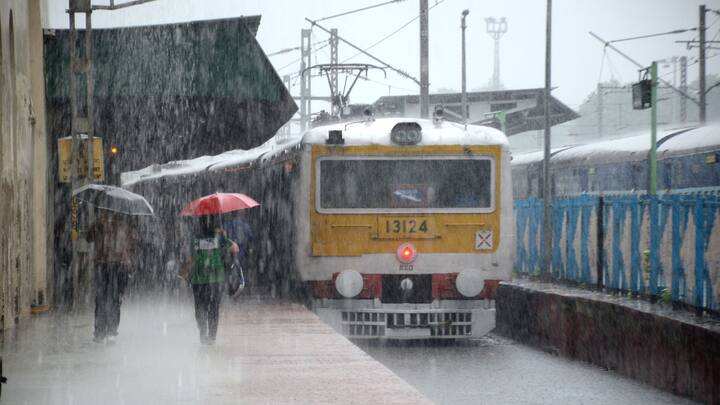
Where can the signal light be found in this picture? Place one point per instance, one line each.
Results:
(641, 94)
(114, 150)
(406, 253)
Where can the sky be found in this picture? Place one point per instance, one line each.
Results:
(578, 59)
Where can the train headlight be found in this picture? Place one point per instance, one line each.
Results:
(349, 283)
(406, 285)
(470, 282)
(406, 253)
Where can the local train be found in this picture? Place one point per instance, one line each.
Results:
(388, 228)
(688, 159)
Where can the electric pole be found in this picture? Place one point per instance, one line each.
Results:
(701, 61)
(305, 62)
(496, 29)
(424, 63)
(334, 72)
(287, 128)
(81, 125)
(547, 191)
(600, 108)
(464, 89)
(683, 88)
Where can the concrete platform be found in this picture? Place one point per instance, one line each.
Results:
(671, 349)
(266, 353)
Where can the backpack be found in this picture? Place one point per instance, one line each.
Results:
(208, 264)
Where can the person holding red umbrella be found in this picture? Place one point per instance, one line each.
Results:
(209, 251)
(206, 266)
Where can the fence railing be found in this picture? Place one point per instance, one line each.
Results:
(665, 246)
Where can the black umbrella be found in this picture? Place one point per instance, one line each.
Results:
(115, 199)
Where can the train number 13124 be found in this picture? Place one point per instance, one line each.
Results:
(406, 226)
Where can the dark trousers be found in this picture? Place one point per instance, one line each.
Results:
(110, 281)
(207, 307)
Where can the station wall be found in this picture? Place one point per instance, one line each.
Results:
(23, 163)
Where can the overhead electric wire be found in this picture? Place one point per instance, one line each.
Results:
(706, 28)
(713, 23)
(680, 31)
(614, 72)
(295, 48)
(392, 33)
(300, 58)
(715, 36)
(383, 63)
(312, 35)
(602, 64)
(113, 6)
(636, 63)
(357, 11)
(384, 84)
(364, 51)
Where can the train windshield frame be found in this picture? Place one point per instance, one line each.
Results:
(405, 184)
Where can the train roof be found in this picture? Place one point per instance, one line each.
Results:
(372, 132)
(670, 141)
(537, 156)
(695, 140)
(377, 132)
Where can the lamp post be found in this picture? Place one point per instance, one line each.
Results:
(496, 29)
(464, 90)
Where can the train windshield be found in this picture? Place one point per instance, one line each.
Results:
(406, 184)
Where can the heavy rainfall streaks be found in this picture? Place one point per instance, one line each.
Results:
(405, 201)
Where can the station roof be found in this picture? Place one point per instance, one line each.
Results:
(173, 91)
(199, 58)
(524, 108)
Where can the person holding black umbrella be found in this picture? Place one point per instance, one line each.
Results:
(115, 241)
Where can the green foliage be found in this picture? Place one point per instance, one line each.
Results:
(666, 295)
(646, 261)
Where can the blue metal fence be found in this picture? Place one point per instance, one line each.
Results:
(628, 240)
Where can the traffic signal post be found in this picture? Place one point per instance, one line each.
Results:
(652, 187)
(645, 95)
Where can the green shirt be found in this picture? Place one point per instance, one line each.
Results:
(208, 260)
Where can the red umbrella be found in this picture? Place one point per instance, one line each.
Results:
(218, 203)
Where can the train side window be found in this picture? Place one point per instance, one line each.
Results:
(583, 179)
(667, 175)
(636, 176)
(530, 181)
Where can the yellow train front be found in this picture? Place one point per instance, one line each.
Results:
(403, 228)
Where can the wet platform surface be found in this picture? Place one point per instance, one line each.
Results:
(266, 353)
